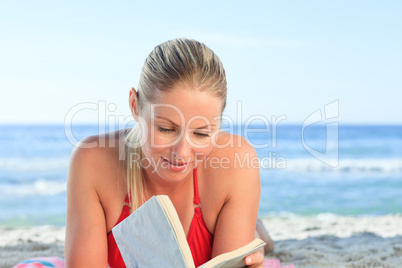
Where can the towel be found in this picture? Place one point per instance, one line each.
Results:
(275, 263)
(43, 262)
(55, 262)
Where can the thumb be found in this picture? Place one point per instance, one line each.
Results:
(254, 258)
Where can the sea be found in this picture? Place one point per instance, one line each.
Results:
(309, 171)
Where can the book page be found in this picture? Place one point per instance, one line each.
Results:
(174, 220)
(236, 257)
(146, 238)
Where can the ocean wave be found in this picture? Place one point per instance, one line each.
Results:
(36, 188)
(292, 215)
(326, 216)
(33, 164)
(304, 165)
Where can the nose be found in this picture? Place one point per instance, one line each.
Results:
(181, 150)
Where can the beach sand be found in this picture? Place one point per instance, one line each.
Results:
(321, 241)
(334, 241)
(21, 243)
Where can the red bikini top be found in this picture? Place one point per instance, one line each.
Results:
(199, 238)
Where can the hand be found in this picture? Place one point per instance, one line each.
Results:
(254, 260)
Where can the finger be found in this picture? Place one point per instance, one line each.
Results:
(254, 258)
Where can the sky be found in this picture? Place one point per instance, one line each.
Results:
(76, 61)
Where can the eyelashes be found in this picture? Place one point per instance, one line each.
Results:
(161, 129)
(169, 130)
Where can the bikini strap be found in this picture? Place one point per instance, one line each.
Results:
(196, 196)
(127, 201)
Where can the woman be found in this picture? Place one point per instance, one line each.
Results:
(176, 149)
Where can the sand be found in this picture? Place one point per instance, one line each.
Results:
(322, 241)
(21, 243)
(333, 241)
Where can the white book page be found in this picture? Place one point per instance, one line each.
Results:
(146, 239)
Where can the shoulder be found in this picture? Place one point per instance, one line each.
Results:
(95, 156)
(233, 165)
(234, 153)
(99, 147)
(106, 142)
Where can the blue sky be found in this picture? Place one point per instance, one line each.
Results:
(282, 58)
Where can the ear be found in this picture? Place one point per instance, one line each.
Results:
(133, 102)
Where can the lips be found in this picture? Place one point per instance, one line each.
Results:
(175, 162)
(175, 166)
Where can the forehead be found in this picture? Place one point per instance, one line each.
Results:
(183, 103)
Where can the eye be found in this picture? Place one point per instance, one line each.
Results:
(161, 129)
(201, 135)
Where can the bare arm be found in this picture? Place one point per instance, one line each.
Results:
(86, 242)
(236, 222)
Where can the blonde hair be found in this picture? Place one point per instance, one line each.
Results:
(177, 61)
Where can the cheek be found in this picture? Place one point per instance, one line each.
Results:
(152, 150)
(203, 152)
(154, 140)
(150, 146)
(161, 140)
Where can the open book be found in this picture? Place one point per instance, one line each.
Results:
(152, 236)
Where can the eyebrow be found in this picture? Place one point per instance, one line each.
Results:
(176, 125)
